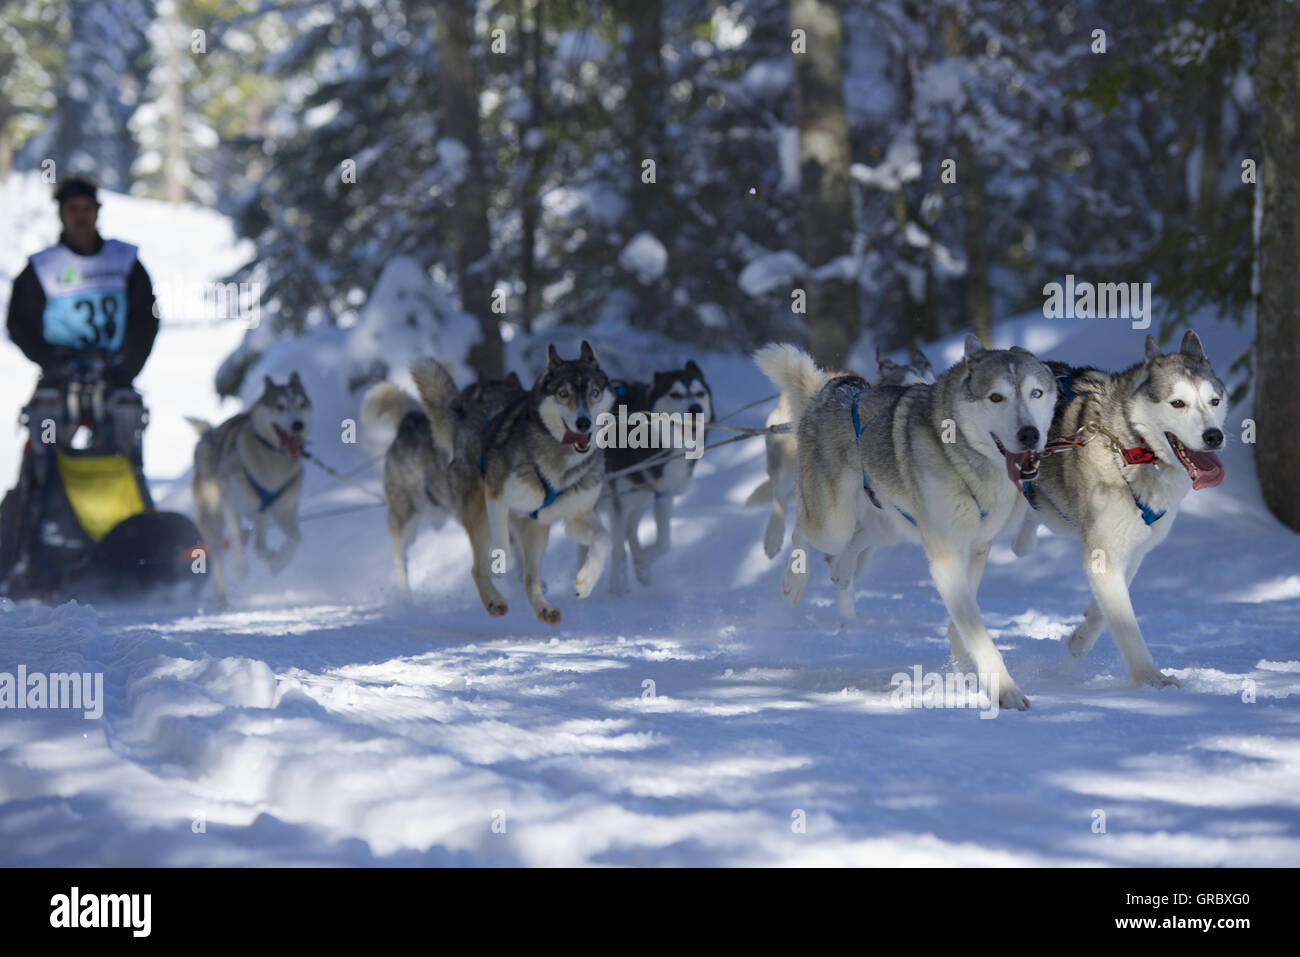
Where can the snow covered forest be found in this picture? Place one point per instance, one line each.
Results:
(474, 180)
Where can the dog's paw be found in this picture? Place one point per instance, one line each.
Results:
(548, 615)
(1156, 678)
(642, 568)
(497, 607)
(586, 581)
(792, 585)
(1011, 698)
(773, 539)
(1079, 642)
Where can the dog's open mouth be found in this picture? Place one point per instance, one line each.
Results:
(581, 441)
(290, 442)
(1203, 468)
(1021, 466)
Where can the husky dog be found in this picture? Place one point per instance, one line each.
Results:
(917, 371)
(250, 467)
(418, 483)
(676, 392)
(533, 464)
(939, 465)
(1152, 431)
(782, 467)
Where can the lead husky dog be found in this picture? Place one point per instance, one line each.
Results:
(250, 467)
(1154, 428)
(939, 465)
(782, 463)
(418, 482)
(675, 392)
(533, 464)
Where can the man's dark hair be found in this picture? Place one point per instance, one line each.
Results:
(74, 185)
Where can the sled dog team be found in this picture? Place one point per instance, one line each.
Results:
(1001, 440)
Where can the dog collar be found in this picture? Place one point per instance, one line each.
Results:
(1139, 455)
(273, 448)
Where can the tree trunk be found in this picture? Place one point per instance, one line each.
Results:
(1277, 321)
(176, 173)
(6, 152)
(530, 50)
(643, 133)
(975, 284)
(459, 91)
(825, 199)
(1208, 201)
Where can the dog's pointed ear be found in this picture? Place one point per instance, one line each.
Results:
(552, 357)
(512, 380)
(880, 355)
(587, 353)
(294, 380)
(1152, 347)
(973, 344)
(693, 370)
(267, 384)
(1192, 347)
(919, 361)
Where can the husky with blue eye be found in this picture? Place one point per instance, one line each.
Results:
(941, 466)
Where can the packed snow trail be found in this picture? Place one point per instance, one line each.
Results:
(318, 722)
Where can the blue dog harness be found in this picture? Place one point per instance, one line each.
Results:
(265, 496)
(858, 429)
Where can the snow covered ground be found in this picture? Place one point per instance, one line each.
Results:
(320, 723)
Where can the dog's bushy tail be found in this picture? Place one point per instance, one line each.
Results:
(760, 496)
(386, 403)
(794, 373)
(437, 393)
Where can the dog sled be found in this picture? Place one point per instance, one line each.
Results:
(80, 522)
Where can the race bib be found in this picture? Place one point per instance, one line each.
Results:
(94, 320)
(85, 296)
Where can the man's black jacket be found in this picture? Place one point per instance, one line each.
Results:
(26, 322)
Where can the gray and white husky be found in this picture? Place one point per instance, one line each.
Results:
(782, 464)
(938, 465)
(674, 392)
(250, 467)
(418, 481)
(532, 464)
(1152, 431)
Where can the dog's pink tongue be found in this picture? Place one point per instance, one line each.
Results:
(290, 442)
(574, 438)
(1014, 464)
(1209, 470)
